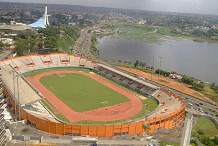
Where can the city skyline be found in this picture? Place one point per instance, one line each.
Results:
(181, 6)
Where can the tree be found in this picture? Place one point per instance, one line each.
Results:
(200, 86)
(201, 131)
(136, 64)
(146, 128)
(1, 44)
(214, 87)
(21, 47)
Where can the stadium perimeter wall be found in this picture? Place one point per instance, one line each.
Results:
(134, 127)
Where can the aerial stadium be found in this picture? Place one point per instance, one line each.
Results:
(69, 95)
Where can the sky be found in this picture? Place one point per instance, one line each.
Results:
(184, 6)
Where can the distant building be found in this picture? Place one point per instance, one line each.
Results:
(7, 41)
(13, 29)
(42, 22)
(2, 120)
(175, 76)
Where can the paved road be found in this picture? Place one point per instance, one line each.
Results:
(186, 136)
(207, 108)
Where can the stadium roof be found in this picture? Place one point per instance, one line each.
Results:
(27, 95)
(39, 24)
(14, 27)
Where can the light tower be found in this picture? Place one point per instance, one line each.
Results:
(46, 22)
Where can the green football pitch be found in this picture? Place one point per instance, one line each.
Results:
(82, 93)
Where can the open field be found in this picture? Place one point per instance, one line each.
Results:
(82, 93)
(208, 127)
(174, 144)
(122, 109)
(74, 81)
(152, 33)
(210, 93)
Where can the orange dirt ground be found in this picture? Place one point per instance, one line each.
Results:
(116, 112)
(169, 83)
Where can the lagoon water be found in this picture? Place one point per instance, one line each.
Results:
(196, 59)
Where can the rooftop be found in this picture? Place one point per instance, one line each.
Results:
(14, 27)
(10, 81)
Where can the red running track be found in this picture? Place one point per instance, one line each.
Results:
(116, 112)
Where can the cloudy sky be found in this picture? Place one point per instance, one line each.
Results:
(187, 6)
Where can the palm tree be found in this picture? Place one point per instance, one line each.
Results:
(146, 128)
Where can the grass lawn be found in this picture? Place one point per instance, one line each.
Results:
(82, 93)
(174, 144)
(207, 91)
(207, 126)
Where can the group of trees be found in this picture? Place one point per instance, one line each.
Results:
(139, 64)
(162, 72)
(210, 33)
(197, 85)
(93, 44)
(214, 87)
(26, 41)
(1, 44)
(53, 37)
(190, 81)
(209, 141)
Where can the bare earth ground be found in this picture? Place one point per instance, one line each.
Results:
(169, 83)
(110, 113)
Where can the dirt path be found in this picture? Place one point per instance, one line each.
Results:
(110, 113)
(169, 83)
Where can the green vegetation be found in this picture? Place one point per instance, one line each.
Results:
(133, 31)
(36, 72)
(52, 108)
(21, 47)
(93, 96)
(212, 93)
(57, 38)
(60, 38)
(170, 143)
(204, 127)
(209, 90)
(152, 103)
(93, 47)
(162, 72)
(174, 144)
(154, 33)
(1, 44)
(62, 118)
(214, 87)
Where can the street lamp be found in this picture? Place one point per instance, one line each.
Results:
(152, 66)
(16, 75)
(18, 95)
(147, 109)
(159, 69)
(13, 76)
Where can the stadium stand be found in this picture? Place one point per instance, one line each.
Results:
(169, 113)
